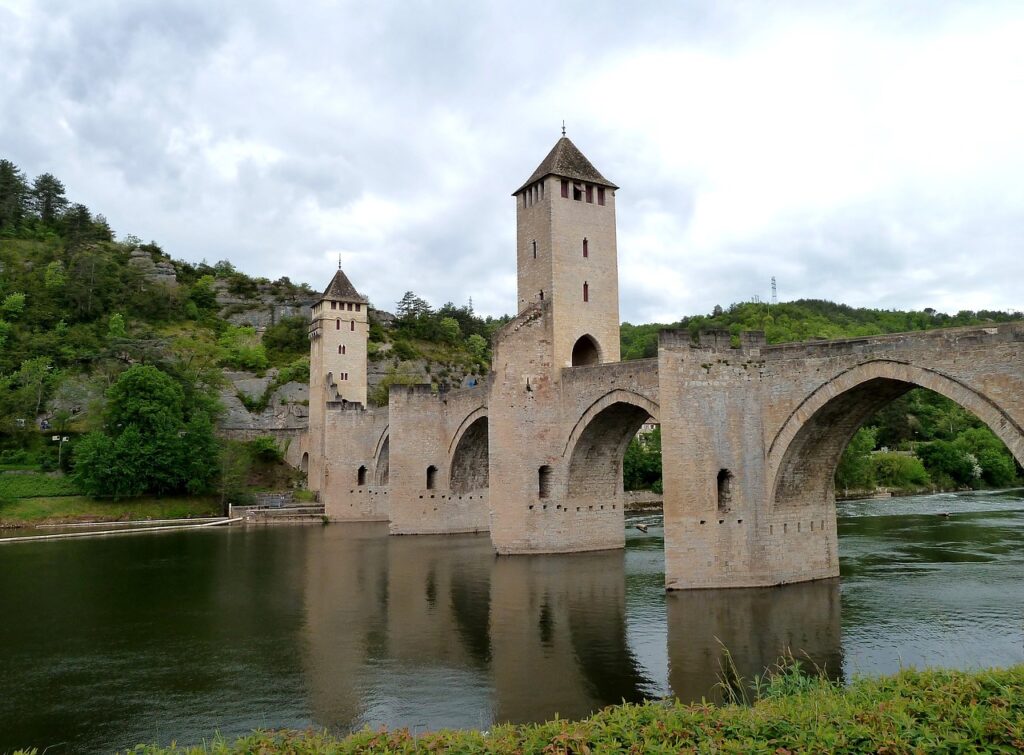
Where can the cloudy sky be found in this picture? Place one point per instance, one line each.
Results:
(869, 153)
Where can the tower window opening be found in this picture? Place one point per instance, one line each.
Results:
(350, 306)
(565, 189)
(542, 294)
(334, 304)
(724, 490)
(431, 477)
(352, 325)
(586, 248)
(337, 324)
(544, 482)
(586, 291)
(590, 194)
(577, 192)
(542, 190)
(535, 250)
(343, 348)
(357, 307)
(361, 476)
(339, 349)
(600, 195)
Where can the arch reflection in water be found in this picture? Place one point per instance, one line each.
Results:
(756, 626)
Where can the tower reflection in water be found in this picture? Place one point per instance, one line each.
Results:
(717, 636)
(432, 632)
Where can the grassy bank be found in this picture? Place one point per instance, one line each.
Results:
(22, 512)
(932, 711)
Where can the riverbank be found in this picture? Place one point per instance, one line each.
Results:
(35, 512)
(910, 711)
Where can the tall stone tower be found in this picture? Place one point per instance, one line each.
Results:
(567, 257)
(338, 336)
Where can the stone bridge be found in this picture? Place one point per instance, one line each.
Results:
(751, 437)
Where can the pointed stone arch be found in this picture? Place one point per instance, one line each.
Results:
(803, 454)
(598, 442)
(586, 351)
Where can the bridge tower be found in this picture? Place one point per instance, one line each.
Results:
(567, 256)
(338, 333)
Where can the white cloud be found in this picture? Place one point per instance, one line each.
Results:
(867, 153)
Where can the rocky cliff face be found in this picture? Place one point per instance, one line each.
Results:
(287, 406)
(158, 271)
(264, 308)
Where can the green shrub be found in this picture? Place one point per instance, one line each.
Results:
(897, 470)
(265, 449)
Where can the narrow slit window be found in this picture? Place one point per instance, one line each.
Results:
(431, 477)
(542, 294)
(352, 325)
(586, 248)
(724, 490)
(361, 476)
(337, 324)
(586, 291)
(535, 250)
(600, 195)
(544, 482)
(590, 194)
(339, 350)
(565, 189)
(343, 348)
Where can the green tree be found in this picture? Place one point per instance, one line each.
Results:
(13, 196)
(13, 304)
(856, 469)
(48, 198)
(477, 345)
(996, 461)
(116, 326)
(54, 277)
(450, 330)
(242, 349)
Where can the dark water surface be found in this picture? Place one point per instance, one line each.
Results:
(108, 642)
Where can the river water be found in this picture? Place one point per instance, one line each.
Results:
(109, 642)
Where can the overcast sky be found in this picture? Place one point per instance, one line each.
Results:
(870, 153)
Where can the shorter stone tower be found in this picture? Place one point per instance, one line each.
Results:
(338, 336)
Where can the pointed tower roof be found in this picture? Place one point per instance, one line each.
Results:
(341, 288)
(566, 160)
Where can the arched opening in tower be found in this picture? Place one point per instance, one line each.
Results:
(585, 351)
(304, 464)
(469, 468)
(610, 457)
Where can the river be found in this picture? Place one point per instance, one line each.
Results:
(109, 642)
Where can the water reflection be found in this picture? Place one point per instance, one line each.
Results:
(110, 642)
(757, 627)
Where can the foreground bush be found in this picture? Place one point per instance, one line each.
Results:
(932, 711)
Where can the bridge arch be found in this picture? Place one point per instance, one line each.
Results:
(598, 442)
(804, 453)
(469, 454)
(382, 459)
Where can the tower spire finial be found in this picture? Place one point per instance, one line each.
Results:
(339, 260)
(563, 127)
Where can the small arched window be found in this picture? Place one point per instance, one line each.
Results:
(724, 490)
(431, 477)
(352, 325)
(544, 481)
(337, 324)
(586, 291)
(361, 476)
(586, 248)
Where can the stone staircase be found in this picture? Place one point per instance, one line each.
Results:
(279, 507)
